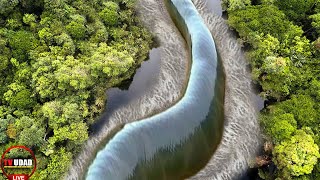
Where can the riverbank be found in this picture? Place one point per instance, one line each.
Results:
(281, 41)
(241, 139)
(165, 92)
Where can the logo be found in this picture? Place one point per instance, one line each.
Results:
(20, 167)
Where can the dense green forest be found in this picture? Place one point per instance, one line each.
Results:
(57, 58)
(282, 43)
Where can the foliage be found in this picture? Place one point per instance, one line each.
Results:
(22, 100)
(266, 19)
(57, 59)
(274, 71)
(21, 43)
(109, 14)
(76, 28)
(3, 128)
(279, 126)
(6, 6)
(277, 48)
(315, 21)
(58, 164)
(296, 9)
(286, 65)
(232, 5)
(303, 109)
(296, 156)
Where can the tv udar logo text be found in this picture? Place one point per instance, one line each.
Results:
(17, 163)
(10, 166)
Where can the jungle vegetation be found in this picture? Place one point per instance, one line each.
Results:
(57, 59)
(282, 43)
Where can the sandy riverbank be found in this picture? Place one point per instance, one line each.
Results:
(241, 138)
(163, 94)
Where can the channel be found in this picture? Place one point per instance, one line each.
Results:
(179, 141)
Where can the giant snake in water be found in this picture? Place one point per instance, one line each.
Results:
(178, 142)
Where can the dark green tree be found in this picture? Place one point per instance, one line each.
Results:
(109, 14)
(296, 10)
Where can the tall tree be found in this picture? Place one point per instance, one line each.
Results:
(296, 156)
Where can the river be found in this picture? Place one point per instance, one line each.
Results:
(146, 75)
(226, 162)
(164, 145)
(142, 81)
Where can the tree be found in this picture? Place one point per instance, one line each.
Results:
(4, 61)
(278, 51)
(73, 74)
(109, 14)
(32, 136)
(13, 24)
(232, 5)
(296, 156)
(76, 27)
(21, 43)
(68, 46)
(266, 19)
(11, 131)
(31, 20)
(279, 126)
(296, 10)
(56, 8)
(314, 91)
(263, 46)
(275, 71)
(6, 6)
(75, 132)
(315, 21)
(5, 54)
(268, 2)
(24, 122)
(303, 109)
(72, 112)
(59, 162)
(3, 134)
(52, 111)
(22, 100)
(100, 33)
(108, 62)
(286, 66)
(57, 59)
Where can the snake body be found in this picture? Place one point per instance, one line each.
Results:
(179, 141)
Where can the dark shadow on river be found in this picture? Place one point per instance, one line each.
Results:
(143, 79)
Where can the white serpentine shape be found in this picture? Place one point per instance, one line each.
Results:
(140, 141)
